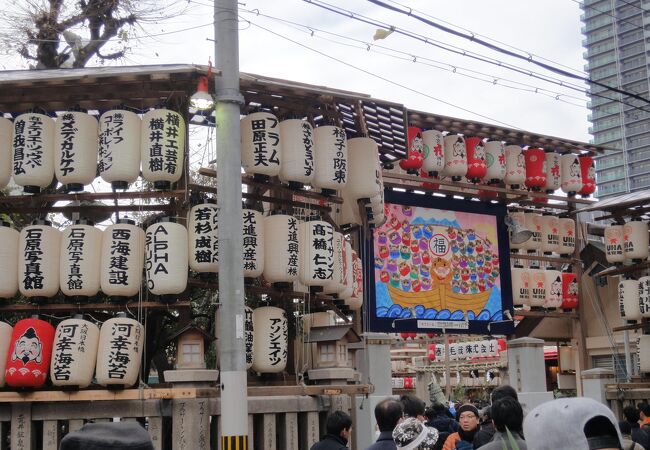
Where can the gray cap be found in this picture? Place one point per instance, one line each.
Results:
(571, 424)
(108, 436)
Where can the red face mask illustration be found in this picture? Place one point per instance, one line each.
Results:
(28, 348)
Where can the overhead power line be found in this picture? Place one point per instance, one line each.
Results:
(581, 3)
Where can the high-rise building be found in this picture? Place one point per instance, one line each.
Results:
(617, 39)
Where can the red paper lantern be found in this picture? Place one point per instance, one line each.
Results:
(408, 382)
(588, 171)
(404, 336)
(30, 350)
(431, 352)
(424, 174)
(476, 164)
(415, 154)
(569, 290)
(535, 168)
(502, 345)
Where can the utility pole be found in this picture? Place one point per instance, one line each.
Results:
(232, 357)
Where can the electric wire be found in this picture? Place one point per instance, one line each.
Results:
(616, 19)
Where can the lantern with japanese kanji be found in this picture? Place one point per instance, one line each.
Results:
(515, 166)
(330, 158)
(553, 282)
(455, 156)
(260, 144)
(119, 354)
(297, 165)
(550, 234)
(79, 266)
(569, 289)
(476, 164)
(9, 252)
(253, 239)
(203, 230)
(643, 352)
(644, 297)
(30, 349)
(535, 159)
(33, 152)
(75, 149)
(336, 284)
(537, 286)
(122, 260)
(566, 358)
(162, 147)
(75, 353)
(635, 240)
(5, 340)
(567, 236)
(588, 172)
(434, 156)
(553, 178)
(520, 286)
(614, 244)
(363, 162)
(355, 301)
(348, 271)
(628, 299)
(316, 253)
(533, 221)
(282, 249)
(119, 148)
(415, 151)
(495, 158)
(38, 261)
(271, 337)
(166, 258)
(571, 174)
(6, 143)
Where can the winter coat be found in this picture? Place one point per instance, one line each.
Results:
(330, 442)
(501, 439)
(442, 423)
(384, 442)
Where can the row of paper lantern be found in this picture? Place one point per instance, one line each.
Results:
(545, 288)
(551, 234)
(82, 259)
(634, 298)
(266, 338)
(75, 146)
(492, 161)
(466, 350)
(403, 382)
(626, 242)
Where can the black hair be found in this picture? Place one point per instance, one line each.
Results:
(413, 406)
(388, 412)
(644, 408)
(507, 413)
(503, 391)
(438, 408)
(337, 422)
(631, 414)
(625, 427)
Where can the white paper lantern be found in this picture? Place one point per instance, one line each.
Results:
(567, 359)
(33, 152)
(336, 284)
(355, 301)
(571, 176)
(253, 251)
(249, 336)
(533, 221)
(434, 155)
(348, 271)
(644, 296)
(520, 286)
(553, 176)
(166, 259)
(363, 164)
(119, 352)
(330, 158)
(297, 165)
(75, 149)
(203, 230)
(6, 144)
(346, 214)
(5, 341)
(614, 244)
(119, 147)
(495, 157)
(518, 217)
(553, 283)
(635, 240)
(628, 299)
(79, 267)
(74, 355)
(567, 236)
(260, 144)
(316, 253)
(271, 337)
(455, 156)
(38, 261)
(122, 260)
(537, 287)
(550, 234)
(515, 166)
(282, 249)
(643, 351)
(9, 252)
(162, 147)
(397, 382)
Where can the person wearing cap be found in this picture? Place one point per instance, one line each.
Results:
(578, 423)
(467, 416)
(637, 435)
(507, 416)
(108, 436)
(413, 434)
(338, 427)
(388, 414)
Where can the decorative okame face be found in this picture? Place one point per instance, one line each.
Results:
(28, 348)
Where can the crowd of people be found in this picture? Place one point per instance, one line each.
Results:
(562, 424)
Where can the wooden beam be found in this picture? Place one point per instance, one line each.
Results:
(544, 314)
(89, 307)
(105, 395)
(89, 196)
(84, 208)
(624, 269)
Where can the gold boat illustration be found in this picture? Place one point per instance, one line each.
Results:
(440, 297)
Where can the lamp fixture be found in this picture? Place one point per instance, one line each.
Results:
(201, 99)
(518, 233)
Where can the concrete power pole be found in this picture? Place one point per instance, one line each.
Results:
(232, 357)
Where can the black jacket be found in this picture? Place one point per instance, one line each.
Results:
(384, 442)
(330, 442)
(484, 435)
(640, 436)
(443, 423)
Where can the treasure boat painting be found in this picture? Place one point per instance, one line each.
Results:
(441, 264)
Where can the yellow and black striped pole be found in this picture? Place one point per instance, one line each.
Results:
(234, 442)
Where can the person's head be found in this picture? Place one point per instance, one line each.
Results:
(644, 410)
(631, 414)
(625, 427)
(413, 406)
(486, 415)
(507, 413)
(503, 391)
(339, 424)
(578, 423)
(412, 434)
(108, 436)
(467, 416)
(388, 413)
(438, 408)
